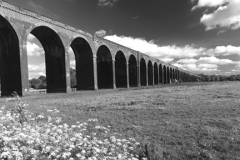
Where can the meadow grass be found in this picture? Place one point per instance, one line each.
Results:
(185, 121)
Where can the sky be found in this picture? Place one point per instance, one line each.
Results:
(202, 36)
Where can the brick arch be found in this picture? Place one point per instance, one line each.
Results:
(161, 74)
(143, 72)
(84, 63)
(132, 70)
(120, 69)
(150, 72)
(104, 67)
(156, 73)
(10, 67)
(54, 57)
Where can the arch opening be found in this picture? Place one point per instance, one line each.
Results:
(171, 75)
(168, 75)
(161, 75)
(120, 70)
(165, 74)
(143, 70)
(174, 74)
(156, 76)
(10, 70)
(150, 73)
(132, 62)
(54, 58)
(83, 64)
(104, 68)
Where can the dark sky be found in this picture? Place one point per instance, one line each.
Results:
(171, 23)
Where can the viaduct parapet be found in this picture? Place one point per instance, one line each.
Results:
(100, 63)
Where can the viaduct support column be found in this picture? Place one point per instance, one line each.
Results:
(95, 72)
(127, 67)
(67, 66)
(138, 76)
(24, 67)
(146, 75)
(66, 43)
(114, 76)
(20, 28)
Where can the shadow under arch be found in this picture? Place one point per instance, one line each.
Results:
(132, 62)
(150, 73)
(10, 69)
(54, 58)
(156, 73)
(168, 75)
(120, 70)
(143, 72)
(165, 74)
(84, 64)
(104, 67)
(174, 74)
(161, 76)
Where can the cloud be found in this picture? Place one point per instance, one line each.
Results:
(101, 33)
(214, 60)
(226, 14)
(224, 50)
(167, 60)
(203, 64)
(151, 49)
(31, 37)
(104, 3)
(34, 50)
(200, 68)
(36, 70)
(209, 3)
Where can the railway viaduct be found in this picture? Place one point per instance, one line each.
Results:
(100, 63)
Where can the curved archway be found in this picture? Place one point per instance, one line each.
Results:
(168, 75)
(104, 67)
(150, 73)
(54, 58)
(84, 64)
(120, 70)
(132, 62)
(161, 75)
(156, 73)
(143, 72)
(165, 74)
(10, 69)
(174, 75)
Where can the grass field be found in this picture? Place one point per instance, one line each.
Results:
(185, 121)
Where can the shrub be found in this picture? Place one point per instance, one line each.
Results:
(24, 135)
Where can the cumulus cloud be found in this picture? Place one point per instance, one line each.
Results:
(226, 15)
(203, 64)
(224, 50)
(101, 33)
(36, 70)
(105, 3)
(201, 68)
(167, 60)
(34, 50)
(160, 52)
(209, 3)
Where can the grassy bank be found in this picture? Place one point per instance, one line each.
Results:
(187, 121)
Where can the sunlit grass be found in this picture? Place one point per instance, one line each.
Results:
(186, 121)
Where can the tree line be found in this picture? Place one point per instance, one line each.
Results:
(208, 78)
(41, 81)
